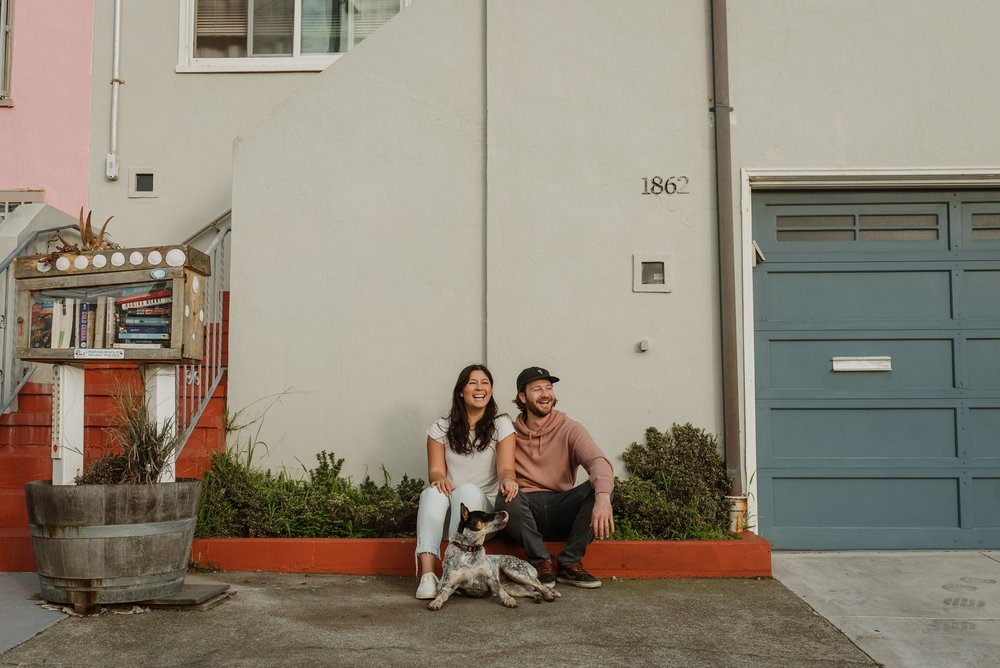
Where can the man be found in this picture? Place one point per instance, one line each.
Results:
(549, 449)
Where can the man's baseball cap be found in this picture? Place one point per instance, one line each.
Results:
(534, 373)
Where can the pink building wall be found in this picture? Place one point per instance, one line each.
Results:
(44, 136)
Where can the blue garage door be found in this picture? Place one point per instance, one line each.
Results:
(877, 362)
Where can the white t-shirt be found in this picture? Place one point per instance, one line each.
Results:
(478, 468)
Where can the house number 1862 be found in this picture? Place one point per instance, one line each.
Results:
(671, 185)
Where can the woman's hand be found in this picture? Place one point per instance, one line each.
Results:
(443, 485)
(509, 488)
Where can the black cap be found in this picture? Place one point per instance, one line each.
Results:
(533, 373)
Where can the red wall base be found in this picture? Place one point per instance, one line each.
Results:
(750, 556)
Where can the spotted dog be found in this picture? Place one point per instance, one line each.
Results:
(468, 569)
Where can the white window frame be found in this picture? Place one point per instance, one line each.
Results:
(6, 48)
(187, 62)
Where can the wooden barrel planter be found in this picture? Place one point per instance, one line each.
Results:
(111, 543)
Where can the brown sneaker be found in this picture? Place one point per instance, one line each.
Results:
(545, 574)
(574, 574)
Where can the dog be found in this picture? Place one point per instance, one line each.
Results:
(469, 570)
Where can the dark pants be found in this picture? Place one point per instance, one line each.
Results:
(541, 516)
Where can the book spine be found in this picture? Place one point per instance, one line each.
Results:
(130, 320)
(156, 310)
(137, 345)
(125, 301)
(83, 332)
(157, 301)
(139, 329)
(135, 335)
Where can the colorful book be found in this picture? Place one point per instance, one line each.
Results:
(41, 325)
(155, 310)
(110, 319)
(126, 301)
(141, 329)
(99, 325)
(154, 301)
(83, 324)
(144, 335)
(145, 320)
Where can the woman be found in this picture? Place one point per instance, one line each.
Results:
(470, 455)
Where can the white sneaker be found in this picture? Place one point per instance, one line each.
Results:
(428, 587)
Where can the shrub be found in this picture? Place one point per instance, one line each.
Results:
(238, 499)
(676, 487)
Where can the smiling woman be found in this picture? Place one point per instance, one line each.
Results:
(470, 457)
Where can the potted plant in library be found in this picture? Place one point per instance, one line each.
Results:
(119, 535)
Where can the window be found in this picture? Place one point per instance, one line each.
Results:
(11, 199)
(267, 35)
(6, 30)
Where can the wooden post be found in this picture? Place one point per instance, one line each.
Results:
(67, 424)
(161, 400)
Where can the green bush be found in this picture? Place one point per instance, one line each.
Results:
(676, 487)
(238, 499)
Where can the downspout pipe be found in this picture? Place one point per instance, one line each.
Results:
(111, 165)
(721, 110)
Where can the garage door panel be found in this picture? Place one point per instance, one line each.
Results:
(862, 433)
(865, 502)
(983, 363)
(858, 296)
(916, 364)
(984, 432)
(981, 290)
(870, 457)
(986, 502)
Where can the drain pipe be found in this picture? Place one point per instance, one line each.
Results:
(727, 270)
(111, 165)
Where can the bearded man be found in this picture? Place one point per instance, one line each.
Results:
(550, 447)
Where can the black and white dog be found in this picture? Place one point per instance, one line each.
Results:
(468, 569)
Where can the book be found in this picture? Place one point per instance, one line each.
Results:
(67, 322)
(41, 324)
(140, 289)
(99, 325)
(142, 329)
(83, 324)
(135, 344)
(57, 313)
(144, 320)
(74, 341)
(154, 310)
(110, 321)
(153, 301)
(125, 301)
(144, 335)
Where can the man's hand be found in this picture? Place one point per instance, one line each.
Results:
(602, 520)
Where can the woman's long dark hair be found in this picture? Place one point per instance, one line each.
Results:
(458, 426)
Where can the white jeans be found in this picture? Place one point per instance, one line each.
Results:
(433, 510)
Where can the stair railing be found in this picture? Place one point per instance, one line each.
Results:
(197, 383)
(14, 374)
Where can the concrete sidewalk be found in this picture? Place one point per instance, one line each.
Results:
(905, 608)
(280, 619)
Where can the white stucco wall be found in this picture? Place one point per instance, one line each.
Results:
(357, 265)
(409, 248)
(182, 126)
(895, 83)
(584, 100)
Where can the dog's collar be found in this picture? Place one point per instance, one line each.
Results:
(467, 548)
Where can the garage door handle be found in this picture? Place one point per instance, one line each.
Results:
(873, 363)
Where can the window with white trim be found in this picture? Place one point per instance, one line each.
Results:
(269, 35)
(6, 44)
(11, 199)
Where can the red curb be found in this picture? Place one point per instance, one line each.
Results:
(750, 556)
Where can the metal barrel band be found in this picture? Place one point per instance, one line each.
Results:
(114, 530)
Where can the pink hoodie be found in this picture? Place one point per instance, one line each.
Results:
(546, 460)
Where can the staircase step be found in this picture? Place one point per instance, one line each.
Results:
(20, 468)
(13, 513)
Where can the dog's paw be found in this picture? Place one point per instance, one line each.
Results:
(435, 605)
(550, 595)
(509, 602)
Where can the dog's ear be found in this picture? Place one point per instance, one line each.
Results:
(465, 512)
